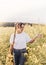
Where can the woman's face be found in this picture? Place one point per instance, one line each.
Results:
(20, 28)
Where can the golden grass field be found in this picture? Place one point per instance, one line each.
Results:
(36, 51)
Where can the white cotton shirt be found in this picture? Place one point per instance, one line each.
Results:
(20, 40)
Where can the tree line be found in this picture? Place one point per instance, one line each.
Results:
(10, 24)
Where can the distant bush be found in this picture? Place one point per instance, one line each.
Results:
(8, 24)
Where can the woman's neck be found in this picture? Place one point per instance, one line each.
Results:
(18, 32)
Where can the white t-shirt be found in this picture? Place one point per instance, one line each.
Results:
(20, 40)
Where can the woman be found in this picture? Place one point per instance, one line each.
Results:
(18, 42)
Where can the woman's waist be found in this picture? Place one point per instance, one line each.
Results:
(20, 50)
(19, 47)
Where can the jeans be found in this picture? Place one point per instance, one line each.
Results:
(19, 58)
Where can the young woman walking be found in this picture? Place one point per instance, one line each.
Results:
(18, 42)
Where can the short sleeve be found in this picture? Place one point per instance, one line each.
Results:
(11, 38)
(27, 38)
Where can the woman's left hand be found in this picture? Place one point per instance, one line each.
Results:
(39, 35)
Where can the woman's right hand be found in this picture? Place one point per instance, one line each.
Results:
(11, 49)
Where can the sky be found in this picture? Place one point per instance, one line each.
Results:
(32, 11)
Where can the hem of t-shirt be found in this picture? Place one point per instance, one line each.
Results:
(20, 48)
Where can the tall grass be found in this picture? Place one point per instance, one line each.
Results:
(36, 51)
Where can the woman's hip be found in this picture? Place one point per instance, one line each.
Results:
(19, 50)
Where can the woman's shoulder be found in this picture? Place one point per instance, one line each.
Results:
(24, 33)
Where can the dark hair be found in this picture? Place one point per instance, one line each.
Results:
(20, 24)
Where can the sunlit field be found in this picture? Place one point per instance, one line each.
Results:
(36, 51)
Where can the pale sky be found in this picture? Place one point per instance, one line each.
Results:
(33, 11)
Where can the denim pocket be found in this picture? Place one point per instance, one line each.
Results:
(23, 51)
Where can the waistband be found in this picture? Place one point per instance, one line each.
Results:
(20, 50)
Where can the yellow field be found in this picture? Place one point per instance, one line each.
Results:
(36, 51)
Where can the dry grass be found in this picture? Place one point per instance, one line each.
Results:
(37, 50)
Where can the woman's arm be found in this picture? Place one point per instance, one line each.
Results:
(37, 36)
(11, 49)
